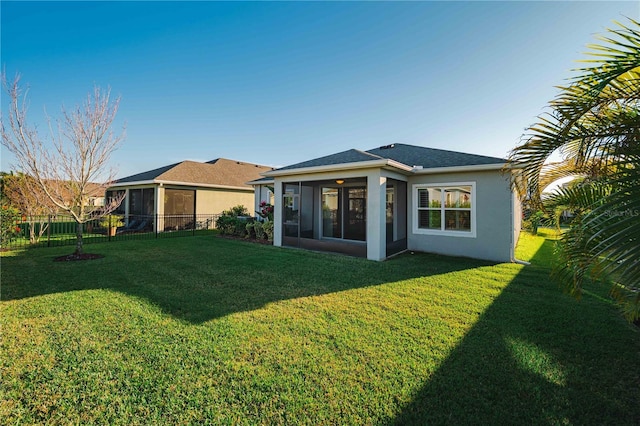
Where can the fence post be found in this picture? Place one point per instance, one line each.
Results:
(194, 224)
(157, 223)
(109, 230)
(49, 232)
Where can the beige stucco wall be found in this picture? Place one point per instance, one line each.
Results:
(215, 200)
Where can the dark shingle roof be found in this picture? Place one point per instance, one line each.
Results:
(261, 181)
(430, 157)
(216, 172)
(409, 155)
(146, 176)
(350, 156)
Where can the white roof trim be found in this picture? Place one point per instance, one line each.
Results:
(136, 183)
(260, 182)
(337, 167)
(389, 163)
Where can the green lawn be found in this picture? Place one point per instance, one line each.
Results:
(208, 330)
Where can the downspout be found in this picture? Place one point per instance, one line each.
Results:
(513, 243)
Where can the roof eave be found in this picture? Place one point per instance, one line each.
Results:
(454, 169)
(339, 167)
(262, 181)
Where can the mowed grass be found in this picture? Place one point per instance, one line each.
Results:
(207, 330)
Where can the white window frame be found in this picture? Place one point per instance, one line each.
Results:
(442, 231)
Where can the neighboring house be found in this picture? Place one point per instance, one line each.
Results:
(96, 195)
(380, 202)
(187, 189)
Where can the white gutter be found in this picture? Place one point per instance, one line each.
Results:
(190, 184)
(456, 169)
(137, 183)
(260, 182)
(513, 243)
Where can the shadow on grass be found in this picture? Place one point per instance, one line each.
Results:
(536, 357)
(202, 278)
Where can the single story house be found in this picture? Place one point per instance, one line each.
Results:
(398, 197)
(186, 189)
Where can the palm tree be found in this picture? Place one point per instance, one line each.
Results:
(594, 124)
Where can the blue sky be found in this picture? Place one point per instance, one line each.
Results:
(276, 83)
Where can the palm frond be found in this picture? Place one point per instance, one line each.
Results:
(595, 125)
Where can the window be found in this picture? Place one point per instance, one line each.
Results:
(445, 209)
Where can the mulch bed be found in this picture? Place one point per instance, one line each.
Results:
(248, 240)
(77, 257)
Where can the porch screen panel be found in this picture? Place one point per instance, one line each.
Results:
(179, 202)
(141, 202)
(356, 200)
(331, 218)
(148, 201)
(291, 210)
(114, 195)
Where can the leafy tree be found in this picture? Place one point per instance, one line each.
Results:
(67, 165)
(594, 123)
(9, 218)
(24, 193)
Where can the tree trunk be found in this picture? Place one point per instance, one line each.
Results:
(78, 239)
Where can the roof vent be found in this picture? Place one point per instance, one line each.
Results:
(388, 146)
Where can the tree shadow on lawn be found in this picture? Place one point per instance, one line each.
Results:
(202, 278)
(536, 358)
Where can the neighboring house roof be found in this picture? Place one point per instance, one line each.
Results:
(63, 189)
(220, 172)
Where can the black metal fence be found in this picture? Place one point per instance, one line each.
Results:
(61, 229)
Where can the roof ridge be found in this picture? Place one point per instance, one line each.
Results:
(377, 157)
(440, 149)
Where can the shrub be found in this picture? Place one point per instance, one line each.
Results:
(259, 230)
(229, 224)
(250, 228)
(236, 211)
(111, 221)
(225, 224)
(535, 220)
(268, 230)
(9, 218)
(239, 227)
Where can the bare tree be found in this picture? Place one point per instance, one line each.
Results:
(76, 156)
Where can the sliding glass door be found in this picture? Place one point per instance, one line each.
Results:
(344, 212)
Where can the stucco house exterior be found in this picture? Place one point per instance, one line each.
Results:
(398, 197)
(186, 189)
